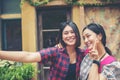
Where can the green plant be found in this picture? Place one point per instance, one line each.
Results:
(16, 71)
(108, 0)
(36, 3)
(70, 2)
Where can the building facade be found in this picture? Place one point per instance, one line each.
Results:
(32, 28)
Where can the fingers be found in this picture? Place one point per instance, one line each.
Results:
(93, 55)
(94, 48)
(94, 52)
(95, 45)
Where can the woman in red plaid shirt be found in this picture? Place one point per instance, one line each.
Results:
(65, 61)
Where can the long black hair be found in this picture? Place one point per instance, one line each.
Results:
(98, 29)
(75, 29)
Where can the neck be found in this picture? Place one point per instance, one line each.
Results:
(102, 56)
(72, 54)
(102, 52)
(70, 50)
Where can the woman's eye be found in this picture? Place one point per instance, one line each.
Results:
(88, 36)
(72, 32)
(83, 38)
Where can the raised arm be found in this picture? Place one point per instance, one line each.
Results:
(94, 75)
(94, 70)
(20, 56)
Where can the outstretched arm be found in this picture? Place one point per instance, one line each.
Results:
(20, 56)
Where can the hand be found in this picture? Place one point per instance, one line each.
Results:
(58, 45)
(93, 53)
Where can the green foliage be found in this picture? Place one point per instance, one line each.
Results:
(72, 2)
(16, 71)
(69, 2)
(109, 0)
(83, 2)
(36, 3)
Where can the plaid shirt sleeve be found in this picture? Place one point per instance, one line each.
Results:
(112, 71)
(48, 54)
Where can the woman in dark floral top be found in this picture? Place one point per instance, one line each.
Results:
(99, 63)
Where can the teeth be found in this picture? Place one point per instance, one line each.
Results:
(71, 39)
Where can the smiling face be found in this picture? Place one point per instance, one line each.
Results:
(90, 37)
(68, 36)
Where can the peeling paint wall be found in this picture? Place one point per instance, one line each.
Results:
(109, 17)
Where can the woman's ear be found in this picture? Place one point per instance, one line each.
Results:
(99, 36)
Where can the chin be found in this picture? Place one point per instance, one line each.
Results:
(71, 44)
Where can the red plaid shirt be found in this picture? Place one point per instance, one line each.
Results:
(60, 62)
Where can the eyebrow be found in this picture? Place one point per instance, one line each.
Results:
(86, 33)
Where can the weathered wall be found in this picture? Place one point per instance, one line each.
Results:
(109, 17)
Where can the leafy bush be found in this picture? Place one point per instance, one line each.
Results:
(16, 71)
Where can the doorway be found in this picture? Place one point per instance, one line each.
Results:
(49, 19)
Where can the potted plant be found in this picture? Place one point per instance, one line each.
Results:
(16, 71)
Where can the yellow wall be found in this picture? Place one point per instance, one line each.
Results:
(29, 32)
(79, 18)
(28, 28)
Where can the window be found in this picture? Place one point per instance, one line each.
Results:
(11, 35)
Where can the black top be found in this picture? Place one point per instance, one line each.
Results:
(71, 72)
